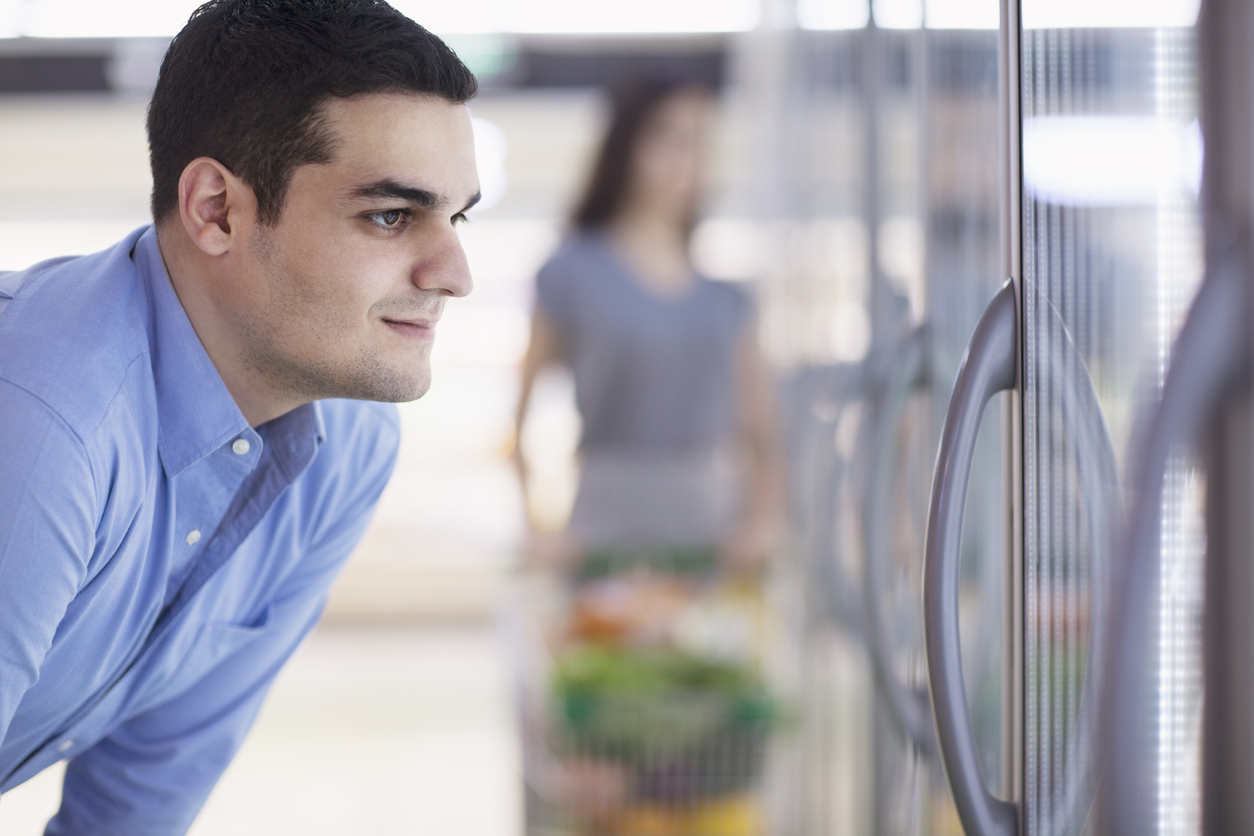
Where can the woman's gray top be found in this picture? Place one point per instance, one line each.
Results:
(655, 382)
(652, 374)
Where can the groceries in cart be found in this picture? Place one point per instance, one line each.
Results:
(659, 714)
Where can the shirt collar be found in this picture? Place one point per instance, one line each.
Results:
(196, 414)
(294, 438)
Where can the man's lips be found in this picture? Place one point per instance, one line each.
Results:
(415, 329)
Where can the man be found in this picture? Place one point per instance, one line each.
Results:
(176, 495)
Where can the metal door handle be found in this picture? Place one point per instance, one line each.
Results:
(989, 367)
(821, 473)
(910, 707)
(840, 589)
(1209, 355)
(843, 595)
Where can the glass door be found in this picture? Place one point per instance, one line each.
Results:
(936, 253)
(879, 195)
(1104, 254)
(881, 181)
(1204, 412)
(1112, 256)
(804, 110)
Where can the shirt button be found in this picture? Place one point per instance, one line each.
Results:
(240, 446)
(65, 745)
(193, 537)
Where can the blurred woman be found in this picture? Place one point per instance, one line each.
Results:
(677, 449)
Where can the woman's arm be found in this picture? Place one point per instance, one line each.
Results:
(759, 529)
(545, 348)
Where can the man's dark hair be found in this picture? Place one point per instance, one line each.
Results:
(245, 80)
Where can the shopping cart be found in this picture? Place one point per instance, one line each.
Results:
(642, 700)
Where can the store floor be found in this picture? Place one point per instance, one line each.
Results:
(368, 730)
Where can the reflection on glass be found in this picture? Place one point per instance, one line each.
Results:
(1109, 160)
(832, 14)
(1114, 14)
(961, 14)
(897, 14)
(816, 326)
(1111, 257)
(881, 187)
(960, 216)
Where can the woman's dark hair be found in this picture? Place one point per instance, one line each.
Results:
(634, 105)
(245, 80)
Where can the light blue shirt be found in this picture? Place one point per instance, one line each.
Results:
(159, 559)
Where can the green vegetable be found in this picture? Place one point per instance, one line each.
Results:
(693, 563)
(601, 668)
(634, 704)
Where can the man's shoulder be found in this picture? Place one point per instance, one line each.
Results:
(71, 330)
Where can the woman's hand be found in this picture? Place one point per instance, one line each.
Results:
(751, 544)
(553, 550)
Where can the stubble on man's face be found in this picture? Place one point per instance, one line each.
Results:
(333, 294)
(361, 376)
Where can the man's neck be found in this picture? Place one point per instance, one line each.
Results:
(190, 277)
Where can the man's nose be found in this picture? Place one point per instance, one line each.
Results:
(443, 266)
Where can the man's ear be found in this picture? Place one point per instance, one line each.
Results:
(213, 203)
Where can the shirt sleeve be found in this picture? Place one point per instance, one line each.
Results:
(47, 536)
(152, 774)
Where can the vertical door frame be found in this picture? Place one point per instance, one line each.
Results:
(1227, 116)
(1011, 235)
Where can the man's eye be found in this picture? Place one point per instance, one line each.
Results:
(390, 218)
(460, 218)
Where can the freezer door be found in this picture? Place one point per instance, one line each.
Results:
(1111, 259)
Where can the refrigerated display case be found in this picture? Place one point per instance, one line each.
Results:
(1101, 247)
(1029, 196)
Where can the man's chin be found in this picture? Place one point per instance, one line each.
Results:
(399, 391)
(385, 387)
(413, 394)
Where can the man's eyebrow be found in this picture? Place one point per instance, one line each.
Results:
(392, 190)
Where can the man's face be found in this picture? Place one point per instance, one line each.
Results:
(345, 290)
